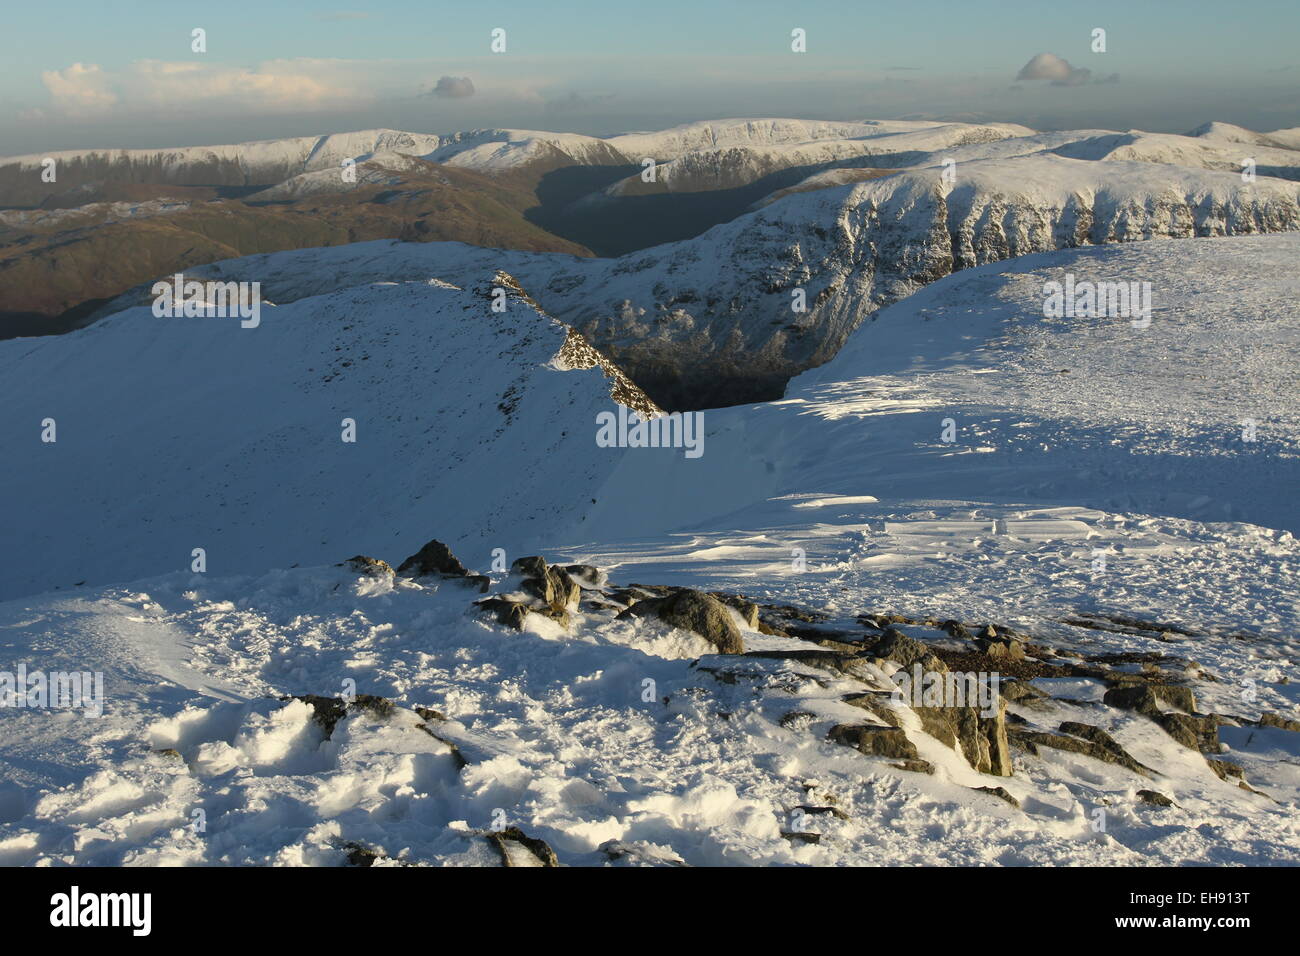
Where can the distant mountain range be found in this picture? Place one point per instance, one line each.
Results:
(712, 249)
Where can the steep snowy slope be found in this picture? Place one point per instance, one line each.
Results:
(181, 433)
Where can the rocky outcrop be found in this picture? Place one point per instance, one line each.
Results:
(1082, 739)
(544, 590)
(435, 560)
(1195, 731)
(697, 612)
(875, 741)
(958, 722)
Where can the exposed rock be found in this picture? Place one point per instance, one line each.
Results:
(982, 739)
(883, 622)
(878, 704)
(567, 592)
(1138, 697)
(747, 609)
(998, 648)
(434, 558)
(360, 855)
(915, 766)
(794, 836)
(1001, 793)
(552, 586)
(1274, 720)
(1194, 733)
(1020, 691)
(1176, 695)
(798, 719)
(875, 741)
(374, 567)
(507, 612)
(639, 853)
(380, 707)
(502, 839)
(533, 566)
(1031, 740)
(457, 757)
(1100, 738)
(1131, 692)
(1224, 769)
(328, 711)
(955, 629)
(587, 575)
(1155, 798)
(697, 612)
(898, 647)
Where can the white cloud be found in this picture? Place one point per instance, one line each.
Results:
(84, 91)
(453, 87)
(1055, 69)
(79, 90)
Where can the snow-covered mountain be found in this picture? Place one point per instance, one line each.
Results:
(1099, 504)
(856, 214)
(711, 321)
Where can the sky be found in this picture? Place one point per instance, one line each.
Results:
(98, 73)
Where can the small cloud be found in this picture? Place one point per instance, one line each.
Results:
(453, 87)
(1058, 71)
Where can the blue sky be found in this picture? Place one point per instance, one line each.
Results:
(122, 74)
